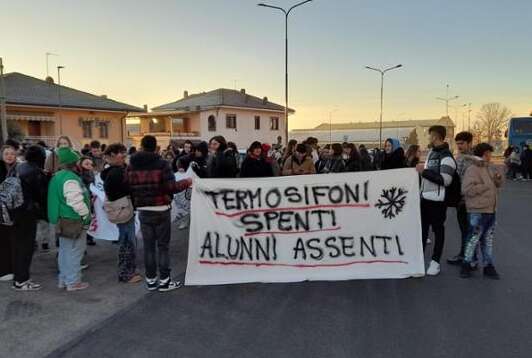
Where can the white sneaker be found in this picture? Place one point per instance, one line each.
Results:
(7, 278)
(434, 268)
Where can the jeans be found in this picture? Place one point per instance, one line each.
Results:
(127, 250)
(71, 252)
(481, 228)
(156, 231)
(433, 214)
(461, 217)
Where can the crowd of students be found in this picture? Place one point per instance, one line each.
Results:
(55, 199)
(519, 162)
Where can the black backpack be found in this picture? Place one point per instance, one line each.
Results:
(453, 193)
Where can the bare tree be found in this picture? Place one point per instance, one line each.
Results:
(492, 121)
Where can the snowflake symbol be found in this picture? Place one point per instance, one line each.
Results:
(392, 202)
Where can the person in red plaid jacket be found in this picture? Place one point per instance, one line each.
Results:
(152, 186)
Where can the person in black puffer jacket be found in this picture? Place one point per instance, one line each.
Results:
(223, 163)
(335, 163)
(34, 188)
(254, 166)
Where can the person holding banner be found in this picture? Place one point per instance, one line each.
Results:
(116, 188)
(299, 163)
(436, 176)
(152, 185)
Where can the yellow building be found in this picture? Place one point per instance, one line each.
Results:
(43, 110)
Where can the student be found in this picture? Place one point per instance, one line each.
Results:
(116, 188)
(69, 209)
(8, 163)
(96, 155)
(464, 159)
(353, 162)
(334, 163)
(480, 185)
(394, 155)
(52, 162)
(152, 185)
(436, 175)
(412, 156)
(299, 163)
(223, 162)
(254, 166)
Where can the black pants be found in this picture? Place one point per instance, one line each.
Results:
(156, 232)
(6, 253)
(433, 215)
(22, 245)
(461, 216)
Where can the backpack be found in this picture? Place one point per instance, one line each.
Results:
(11, 197)
(453, 193)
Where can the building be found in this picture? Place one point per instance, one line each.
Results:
(367, 133)
(42, 110)
(239, 117)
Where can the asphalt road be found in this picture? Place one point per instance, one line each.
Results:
(444, 316)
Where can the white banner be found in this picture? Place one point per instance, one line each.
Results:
(318, 227)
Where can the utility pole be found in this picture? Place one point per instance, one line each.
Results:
(48, 54)
(59, 68)
(3, 114)
(447, 99)
(469, 118)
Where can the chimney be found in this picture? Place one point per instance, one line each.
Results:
(243, 90)
(145, 108)
(185, 94)
(49, 80)
(265, 100)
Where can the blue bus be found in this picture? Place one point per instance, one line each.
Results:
(520, 131)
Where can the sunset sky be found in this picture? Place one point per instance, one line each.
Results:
(149, 52)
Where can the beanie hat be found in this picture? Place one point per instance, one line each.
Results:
(67, 156)
(266, 148)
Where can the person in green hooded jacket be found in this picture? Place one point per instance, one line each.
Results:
(68, 202)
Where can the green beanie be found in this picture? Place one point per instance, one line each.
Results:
(67, 156)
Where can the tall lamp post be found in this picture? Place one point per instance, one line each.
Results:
(382, 72)
(447, 99)
(286, 13)
(469, 117)
(60, 102)
(3, 114)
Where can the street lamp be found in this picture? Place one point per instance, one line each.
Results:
(382, 72)
(286, 13)
(447, 99)
(59, 68)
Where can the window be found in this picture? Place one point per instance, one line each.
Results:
(104, 130)
(157, 125)
(87, 129)
(274, 123)
(257, 122)
(212, 123)
(230, 121)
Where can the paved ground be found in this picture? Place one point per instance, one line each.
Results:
(431, 317)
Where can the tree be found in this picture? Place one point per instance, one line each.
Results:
(492, 121)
